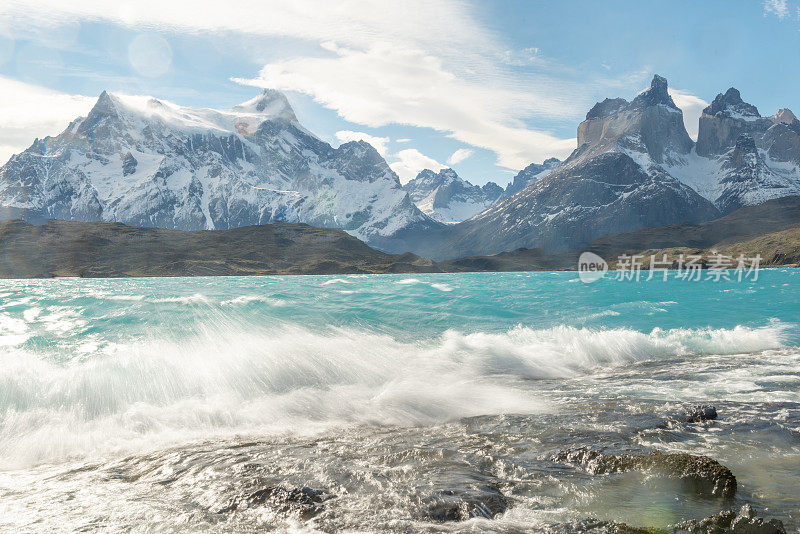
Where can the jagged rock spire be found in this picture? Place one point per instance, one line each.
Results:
(657, 94)
(731, 102)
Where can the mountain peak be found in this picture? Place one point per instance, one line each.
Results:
(607, 107)
(656, 95)
(450, 174)
(659, 84)
(359, 147)
(106, 105)
(270, 102)
(731, 104)
(784, 116)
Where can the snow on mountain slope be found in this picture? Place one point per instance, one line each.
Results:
(146, 162)
(530, 174)
(741, 158)
(613, 182)
(446, 197)
(635, 167)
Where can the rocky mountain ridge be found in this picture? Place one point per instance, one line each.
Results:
(636, 167)
(150, 163)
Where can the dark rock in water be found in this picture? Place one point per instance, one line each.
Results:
(726, 522)
(486, 501)
(701, 413)
(745, 522)
(596, 526)
(702, 474)
(303, 503)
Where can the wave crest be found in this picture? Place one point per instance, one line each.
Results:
(288, 379)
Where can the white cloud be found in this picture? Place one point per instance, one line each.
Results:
(426, 63)
(779, 8)
(390, 85)
(351, 22)
(379, 143)
(459, 155)
(526, 56)
(29, 111)
(411, 161)
(692, 107)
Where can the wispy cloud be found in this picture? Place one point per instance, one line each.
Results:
(425, 63)
(29, 111)
(779, 8)
(410, 161)
(385, 85)
(692, 107)
(379, 143)
(459, 155)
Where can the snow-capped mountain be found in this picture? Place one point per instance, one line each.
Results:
(611, 183)
(742, 158)
(530, 174)
(636, 167)
(448, 198)
(145, 162)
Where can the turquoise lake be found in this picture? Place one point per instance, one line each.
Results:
(167, 398)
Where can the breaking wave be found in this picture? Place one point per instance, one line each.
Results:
(229, 380)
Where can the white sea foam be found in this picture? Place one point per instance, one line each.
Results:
(13, 331)
(409, 281)
(415, 281)
(247, 299)
(290, 379)
(197, 298)
(336, 281)
(126, 297)
(441, 287)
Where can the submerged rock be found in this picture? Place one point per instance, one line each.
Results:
(449, 505)
(596, 526)
(303, 503)
(702, 474)
(701, 413)
(745, 522)
(726, 522)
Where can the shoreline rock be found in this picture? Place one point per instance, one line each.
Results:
(725, 522)
(303, 503)
(704, 475)
(460, 505)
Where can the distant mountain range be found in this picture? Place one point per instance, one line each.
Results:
(149, 163)
(636, 167)
(448, 198)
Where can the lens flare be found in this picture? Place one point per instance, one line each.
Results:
(150, 55)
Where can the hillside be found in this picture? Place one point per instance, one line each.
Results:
(68, 248)
(771, 229)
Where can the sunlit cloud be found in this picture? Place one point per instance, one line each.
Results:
(442, 68)
(692, 107)
(411, 161)
(29, 111)
(459, 155)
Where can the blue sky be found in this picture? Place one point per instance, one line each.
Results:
(485, 87)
